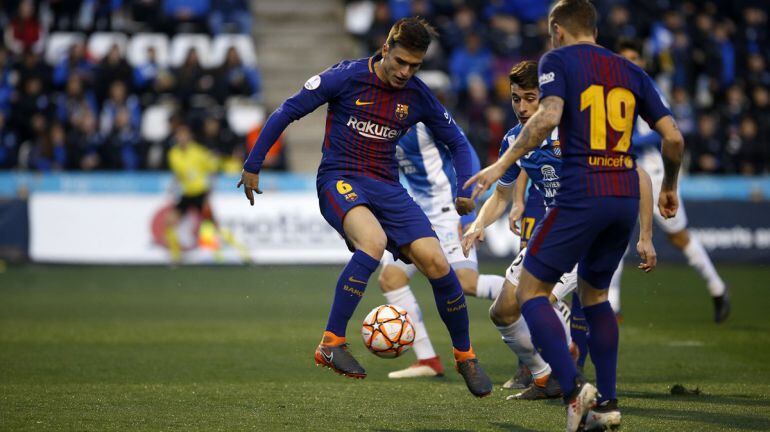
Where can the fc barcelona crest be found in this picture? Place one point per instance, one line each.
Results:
(402, 111)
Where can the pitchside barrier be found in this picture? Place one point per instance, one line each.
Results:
(119, 218)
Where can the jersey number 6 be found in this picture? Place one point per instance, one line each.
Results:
(618, 111)
(343, 187)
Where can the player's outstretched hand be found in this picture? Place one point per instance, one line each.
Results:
(464, 205)
(250, 182)
(668, 203)
(647, 253)
(514, 218)
(484, 179)
(472, 234)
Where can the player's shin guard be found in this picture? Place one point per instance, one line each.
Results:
(450, 302)
(699, 259)
(603, 343)
(404, 297)
(350, 288)
(489, 286)
(548, 336)
(579, 330)
(518, 339)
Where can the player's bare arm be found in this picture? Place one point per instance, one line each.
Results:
(517, 209)
(250, 182)
(672, 149)
(545, 119)
(492, 209)
(644, 247)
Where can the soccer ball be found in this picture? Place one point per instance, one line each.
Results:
(387, 330)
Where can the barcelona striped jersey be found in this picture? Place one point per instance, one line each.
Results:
(602, 93)
(365, 120)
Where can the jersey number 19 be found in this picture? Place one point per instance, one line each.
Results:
(617, 110)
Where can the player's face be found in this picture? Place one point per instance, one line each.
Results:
(524, 101)
(632, 56)
(399, 65)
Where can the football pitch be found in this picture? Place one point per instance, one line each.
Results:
(231, 348)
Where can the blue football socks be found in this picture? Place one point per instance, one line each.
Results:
(450, 302)
(603, 344)
(579, 329)
(350, 288)
(549, 338)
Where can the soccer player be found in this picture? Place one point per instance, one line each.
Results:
(192, 165)
(647, 151)
(372, 103)
(543, 165)
(593, 96)
(426, 166)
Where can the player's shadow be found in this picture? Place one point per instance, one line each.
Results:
(511, 428)
(720, 419)
(720, 399)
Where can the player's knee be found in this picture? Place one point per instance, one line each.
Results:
(373, 245)
(679, 239)
(435, 265)
(390, 279)
(501, 317)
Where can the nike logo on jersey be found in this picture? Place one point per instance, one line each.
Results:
(354, 280)
(360, 103)
(449, 302)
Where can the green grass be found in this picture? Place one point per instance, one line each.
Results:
(136, 348)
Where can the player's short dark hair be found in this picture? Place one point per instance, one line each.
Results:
(412, 33)
(634, 45)
(577, 16)
(524, 74)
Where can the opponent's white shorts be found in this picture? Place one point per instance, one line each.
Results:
(652, 162)
(567, 283)
(447, 227)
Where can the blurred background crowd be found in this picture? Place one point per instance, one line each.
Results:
(708, 57)
(105, 84)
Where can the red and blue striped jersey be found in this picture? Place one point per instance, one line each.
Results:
(364, 122)
(602, 93)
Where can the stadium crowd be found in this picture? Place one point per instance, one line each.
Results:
(708, 57)
(80, 111)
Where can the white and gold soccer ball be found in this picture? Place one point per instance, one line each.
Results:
(387, 330)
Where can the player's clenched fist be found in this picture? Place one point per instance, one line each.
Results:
(668, 203)
(464, 205)
(250, 182)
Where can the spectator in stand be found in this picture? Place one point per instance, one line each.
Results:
(146, 73)
(617, 26)
(113, 67)
(191, 78)
(119, 98)
(726, 51)
(234, 78)
(381, 24)
(734, 108)
(683, 111)
(221, 141)
(32, 66)
(75, 62)
(9, 146)
(65, 14)
(25, 33)
(454, 32)
(122, 146)
(760, 98)
(472, 60)
(231, 16)
(47, 147)
(74, 102)
(186, 15)
(85, 143)
(757, 74)
(6, 85)
(505, 36)
(707, 148)
(526, 10)
(27, 104)
(752, 156)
